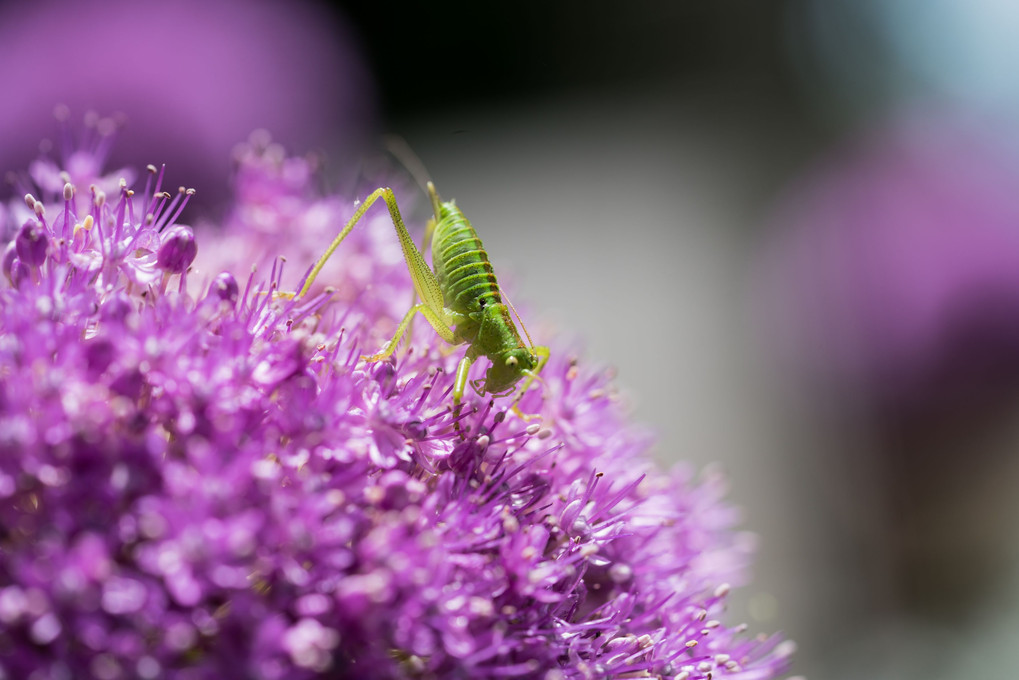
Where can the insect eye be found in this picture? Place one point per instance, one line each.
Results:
(511, 361)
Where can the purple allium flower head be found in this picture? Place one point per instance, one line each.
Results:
(205, 481)
(895, 270)
(191, 76)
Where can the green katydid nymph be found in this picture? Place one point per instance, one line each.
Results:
(460, 298)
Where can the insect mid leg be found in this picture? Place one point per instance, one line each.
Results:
(459, 386)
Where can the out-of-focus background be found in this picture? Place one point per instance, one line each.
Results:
(792, 226)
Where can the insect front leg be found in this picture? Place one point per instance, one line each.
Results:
(542, 352)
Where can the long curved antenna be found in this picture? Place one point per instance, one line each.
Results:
(399, 149)
(530, 343)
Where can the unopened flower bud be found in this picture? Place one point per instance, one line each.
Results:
(31, 243)
(178, 250)
(224, 286)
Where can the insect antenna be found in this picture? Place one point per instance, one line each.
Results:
(398, 148)
(530, 344)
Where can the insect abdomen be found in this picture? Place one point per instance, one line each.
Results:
(461, 264)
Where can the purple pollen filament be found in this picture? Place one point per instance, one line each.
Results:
(209, 482)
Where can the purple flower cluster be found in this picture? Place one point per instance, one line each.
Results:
(199, 478)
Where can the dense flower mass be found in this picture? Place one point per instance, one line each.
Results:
(199, 477)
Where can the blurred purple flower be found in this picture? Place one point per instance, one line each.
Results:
(190, 76)
(203, 480)
(895, 270)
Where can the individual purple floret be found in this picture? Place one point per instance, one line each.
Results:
(205, 480)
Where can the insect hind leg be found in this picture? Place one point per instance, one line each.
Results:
(425, 283)
(358, 214)
(436, 320)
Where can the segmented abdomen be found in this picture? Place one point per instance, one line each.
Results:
(461, 264)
